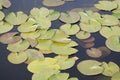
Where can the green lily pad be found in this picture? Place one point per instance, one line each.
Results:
(53, 3)
(5, 27)
(18, 46)
(16, 18)
(46, 63)
(83, 35)
(110, 69)
(109, 20)
(73, 78)
(44, 74)
(116, 76)
(65, 62)
(70, 29)
(113, 43)
(106, 5)
(9, 38)
(28, 26)
(53, 15)
(2, 15)
(90, 67)
(70, 17)
(110, 31)
(59, 76)
(32, 42)
(17, 58)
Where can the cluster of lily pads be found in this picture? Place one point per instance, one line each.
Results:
(34, 39)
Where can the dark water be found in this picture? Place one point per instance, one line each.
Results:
(10, 71)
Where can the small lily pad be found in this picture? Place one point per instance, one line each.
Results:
(5, 27)
(90, 67)
(53, 3)
(9, 38)
(73, 78)
(16, 18)
(32, 42)
(90, 39)
(70, 17)
(94, 53)
(5, 3)
(113, 43)
(110, 69)
(18, 46)
(2, 15)
(70, 29)
(83, 35)
(106, 5)
(17, 58)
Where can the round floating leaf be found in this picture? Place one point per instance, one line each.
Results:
(5, 3)
(110, 31)
(106, 5)
(58, 48)
(73, 78)
(90, 39)
(70, 29)
(36, 12)
(116, 76)
(113, 43)
(87, 44)
(70, 17)
(44, 44)
(53, 3)
(17, 58)
(90, 67)
(16, 18)
(94, 52)
(59, 76)
(5, 27)
(46, 63)
(28, 26)
(2, 15)
(44, 74)
(33, 55)
(83, 35)
(53, 15)
(65, 62)
(110, 69)
(31, 35)
(32, 42)
(109, 20)
(9, 38)
(92, 26)
(18, 46)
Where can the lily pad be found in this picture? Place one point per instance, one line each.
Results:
(73, 78)
(110, 31)
(70, 17)
(53, 15)
(113, 43)
(2, 15)
(83, 35)
(53, 3)
(5, 3)
(94, 53)
(116, 76)
(32, 55)
(59, 76)
(44, 74)
(5, 27)
(106, 5)
(28, 26)
(16, 18)
(90, 39)
(46, 63)
(110, 69)
(90, 67)
(65, 62)
(18, 46)
(70, 29)
(9, 38)
(17, 58)
(87, 44)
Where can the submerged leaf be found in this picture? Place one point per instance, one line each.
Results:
(5, 3)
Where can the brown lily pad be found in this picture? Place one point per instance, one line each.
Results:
(90, 39)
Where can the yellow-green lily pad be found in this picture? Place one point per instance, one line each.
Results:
(116, 76)
(2, 15)
(83, 35)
